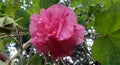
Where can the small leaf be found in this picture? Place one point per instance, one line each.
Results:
(106, 48)
(36, 60)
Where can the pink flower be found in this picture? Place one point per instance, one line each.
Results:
(56, 31)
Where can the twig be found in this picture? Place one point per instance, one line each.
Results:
(13, 38)
(26, 45)
(62, 61)
(13, 34)
(19, 37)
(18, 19)
(2, 36)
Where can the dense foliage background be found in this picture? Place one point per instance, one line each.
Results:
(101, 18)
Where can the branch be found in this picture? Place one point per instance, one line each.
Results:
(26, 45)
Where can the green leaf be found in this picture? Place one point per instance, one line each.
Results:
(36, 60)
(106, 3)
(9, 8)
(87, 3)
(2, 63)
(115, 38)
(76, 3)
(47, 3)
(7, 40)
(0, 5)
(38, 4)
(24, 22)
(34, 8)
(106, 51)
(95, 9)
(106, 48)
(108, 21)
(1, 45)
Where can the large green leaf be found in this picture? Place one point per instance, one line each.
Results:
(106, 51)
(106, 48)
(108, 21)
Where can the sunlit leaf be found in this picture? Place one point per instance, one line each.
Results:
(106, 49)
(108, 21)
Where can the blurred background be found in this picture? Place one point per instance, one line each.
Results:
(101, 18)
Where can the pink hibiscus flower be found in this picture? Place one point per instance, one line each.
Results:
(56, 31)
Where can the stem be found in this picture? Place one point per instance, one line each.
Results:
(2, 36)
(19, 37)
(18, 19)
(13, 38)
(30, 59)
(62, 61)
(21, 28)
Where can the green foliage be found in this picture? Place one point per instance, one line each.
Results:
(106, 48)
(24, 21)
(47, 3)
(38, 4)
(7, 40)
(106, 51)
(9, 7)
(108, 20)
(105, 3)
(95, 9)
(34, 8)
(1, 45)
(36, 60)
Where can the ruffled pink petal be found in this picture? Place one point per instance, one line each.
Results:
(56, 31)
(79, 34)
(33, 24)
